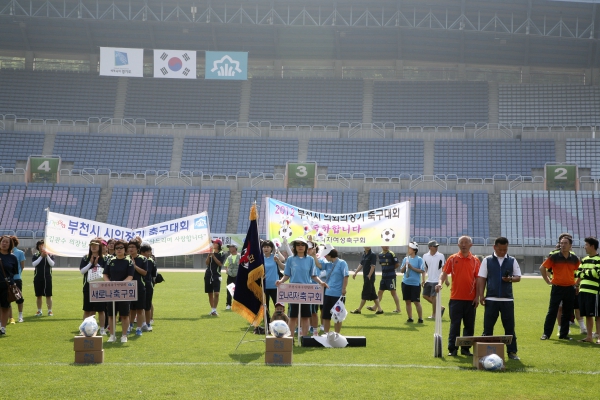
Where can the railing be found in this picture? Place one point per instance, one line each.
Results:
(357, 127)
(428, 178)
(105, 123)
(340, 178)
(232, 127)
(590, 179)
(485, 127)
(516, 181)
(163, 175)
(12, 171)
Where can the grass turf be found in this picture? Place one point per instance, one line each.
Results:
(193, 355)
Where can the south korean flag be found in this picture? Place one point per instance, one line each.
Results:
(175, 64)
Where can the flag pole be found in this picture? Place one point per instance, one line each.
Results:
(262, 280)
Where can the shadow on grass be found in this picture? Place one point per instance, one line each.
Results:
(246, 357)
(407, 327)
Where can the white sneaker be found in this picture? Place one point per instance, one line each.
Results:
(112, 339)
(145, 328)
(228, 307)
(151, 322)
(123, 339)
(595, 335)
(102, 332)
(20, 319)
(149, 328)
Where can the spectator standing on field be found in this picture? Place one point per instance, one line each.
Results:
(18, 279)
(497, 274)
(42, 278)
(212, 276)
(588, 282)
(9, 267)
(434, 263)
(389, 264)
(231, 268)
(413, 269)
(464, 268)
(367, 264)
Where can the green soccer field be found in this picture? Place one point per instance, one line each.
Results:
(193, 355)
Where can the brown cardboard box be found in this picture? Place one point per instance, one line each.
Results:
(278, 358)
(85, 343)
(484, 349)
(281, 345)
(89, 357)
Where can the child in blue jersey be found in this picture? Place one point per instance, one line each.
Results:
(18, 280)
(413, 268)
(300, 268)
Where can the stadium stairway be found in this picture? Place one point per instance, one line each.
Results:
(429, 156)
(303, 149)
(363, 201)
(48, 144)
(177, 153)
(494, 212)
(120, 98)
(245, 100)
(235, 199)
(104, 204)
(367, 101)
(493, 102)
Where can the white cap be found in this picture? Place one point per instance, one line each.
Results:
(302, 240)
(327, 249)
(413, 245)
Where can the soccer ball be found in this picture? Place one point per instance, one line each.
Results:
(493, 362)
(388, 235)
(279, 328)
(285, 232)
(89, 327)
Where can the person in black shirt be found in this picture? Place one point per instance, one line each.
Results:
(119, 268)
(42, 277)
(367, 264)
(149, 280)
(91, 262)
(10, 267)
(140, 264)
(212, 276)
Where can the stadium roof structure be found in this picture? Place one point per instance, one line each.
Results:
(508, 32)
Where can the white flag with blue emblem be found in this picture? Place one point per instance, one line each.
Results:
(175, 64)
(121, 62)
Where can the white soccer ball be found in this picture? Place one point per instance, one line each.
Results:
(279, 329)
(88, 327)
(493, 362)
(388, 235)
(285, 232)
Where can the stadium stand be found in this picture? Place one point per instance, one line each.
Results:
(22, 207)
(329, 201)
(473, 158)
(56, 95)
(430, 103)
(230, 155)
(585, 153)
(532, 105)
(444, 216)
(306, 101)
(375, 158)
(537, 217)
(136, 207)
(185, 101)
(18, 146)
(117, 153)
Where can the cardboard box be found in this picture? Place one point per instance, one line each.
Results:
(85, 343)
(484, 349)
(278, 358)
(89, 357)
(281, 345)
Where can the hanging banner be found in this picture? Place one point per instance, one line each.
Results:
(69, 236)
(230, 65)
(175, 64)
(385, 226)
(121, 62)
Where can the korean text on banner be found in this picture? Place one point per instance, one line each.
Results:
(121, 62)
(69, 236)
(385, 226)
(230, 65)
(175, 64)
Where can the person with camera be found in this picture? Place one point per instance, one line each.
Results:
(93, 261)
(497, 273)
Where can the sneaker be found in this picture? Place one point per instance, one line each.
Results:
(565, 338)
(38, 314)
(443, 309)
(214, 314)
(102, 332)
(420, 321)
(149, 328)
(2, 331)
(594, 335)
(583, 331)
(144, 328)
(228, 307)
(11, 321)
(397, 311)
(128, 330)
(311, 330)
(558, 333)
(151, 322)
(453, 353)
(466, 353)
(544, 337)
(138, 332)
(431, 317)
(410, 320)
(21, 319)
(112, 339)
(513, 356)
(50, 314)
(124, 338)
